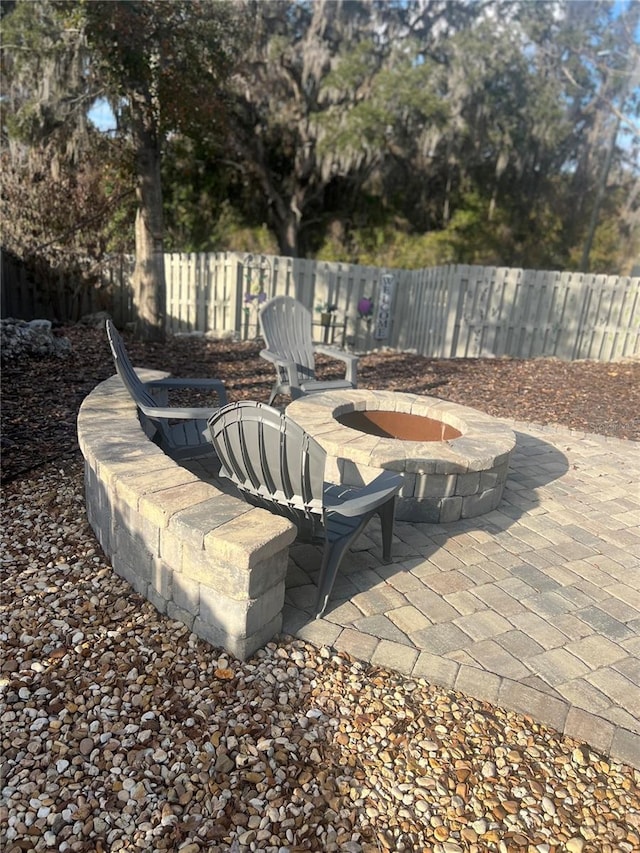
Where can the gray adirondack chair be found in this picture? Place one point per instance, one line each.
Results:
(285, 325)
(180, 432)
(277, 465)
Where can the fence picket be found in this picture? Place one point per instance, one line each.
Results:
(214, 306)
(600, 330)
(504, 299)
(529, 324)
(403, 312)
(624, 327)
(425, 312)
(517, 313)
(542, 300)
(593, 287)
(478, 285)
(564, 312)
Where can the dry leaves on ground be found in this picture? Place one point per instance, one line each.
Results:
(41, 398)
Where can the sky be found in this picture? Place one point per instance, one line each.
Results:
(102, 116)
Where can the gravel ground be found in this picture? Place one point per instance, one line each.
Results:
(123, 731)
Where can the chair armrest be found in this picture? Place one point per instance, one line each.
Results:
(284, 363)
(356, 500)
(274, 358)
(350, 360)
(203, 384)
(176, 413)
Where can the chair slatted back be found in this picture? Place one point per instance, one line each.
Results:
(270, 458)
(125, 369)
(285, 325)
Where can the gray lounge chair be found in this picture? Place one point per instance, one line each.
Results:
(180, 432)
(285, 325)
(279, 466)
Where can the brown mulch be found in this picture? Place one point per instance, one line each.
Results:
(41, 398)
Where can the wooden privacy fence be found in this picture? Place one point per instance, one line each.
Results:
(34, 290)
(443, 312)
(470, 311)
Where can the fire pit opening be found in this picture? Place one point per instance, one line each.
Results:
(400, 425)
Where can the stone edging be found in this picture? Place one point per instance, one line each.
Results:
(203, 557)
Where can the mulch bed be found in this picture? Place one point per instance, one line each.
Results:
(41, 398)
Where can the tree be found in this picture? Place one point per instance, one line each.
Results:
(313, 102)
(161, 66)
(64, 214)
(530, 118)
(403, 110)
(617, 65)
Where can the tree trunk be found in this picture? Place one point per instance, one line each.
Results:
(287, 233)
(595, 211)
(446, 209)
(149, 283)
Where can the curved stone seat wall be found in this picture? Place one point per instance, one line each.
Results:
(201, 556)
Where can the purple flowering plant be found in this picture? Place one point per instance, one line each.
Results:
(250, 297)
(253, 299)
(365, 307)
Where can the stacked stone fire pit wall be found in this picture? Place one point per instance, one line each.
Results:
(444, 480)
(203, 557)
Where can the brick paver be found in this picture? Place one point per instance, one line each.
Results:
(557, 666)
(435, 667)
(478, 683)
(409, 619)
(534, 606)
(394, 656)
(596, 651)
(381, 627)
(464, 602)
(495, 658)
(483, 624)
(520, 645)
(442, 638)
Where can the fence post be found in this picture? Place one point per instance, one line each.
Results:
(237, 294)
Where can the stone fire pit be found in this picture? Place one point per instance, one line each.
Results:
(454, 459)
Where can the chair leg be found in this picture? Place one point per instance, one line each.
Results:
(387, 514)
(274, 394)
(331, 559)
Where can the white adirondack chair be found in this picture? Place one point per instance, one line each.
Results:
(285, 325)
(180, 432)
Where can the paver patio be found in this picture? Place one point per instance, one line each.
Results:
(534, 606)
